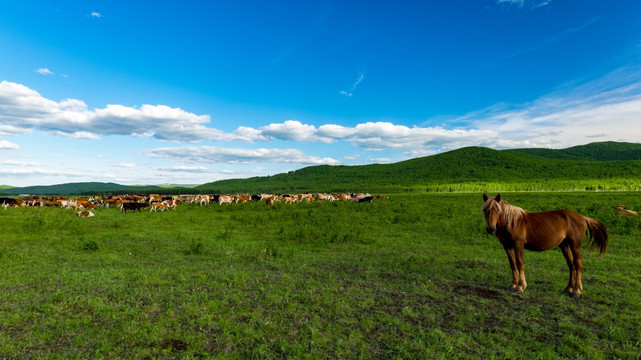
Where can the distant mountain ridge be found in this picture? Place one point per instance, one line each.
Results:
(591, 166)
(73, 189)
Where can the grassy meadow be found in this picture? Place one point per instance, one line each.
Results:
(412, 276)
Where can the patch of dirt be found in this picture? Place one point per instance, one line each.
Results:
(473, 264)
(477, 290)
(174, 344)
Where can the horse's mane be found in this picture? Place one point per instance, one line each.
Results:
(510, 213)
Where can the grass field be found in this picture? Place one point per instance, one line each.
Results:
(413, 276)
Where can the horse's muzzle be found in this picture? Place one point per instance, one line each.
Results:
(491, 230)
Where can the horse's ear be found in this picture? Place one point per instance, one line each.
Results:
(485, 197)
(498, 197)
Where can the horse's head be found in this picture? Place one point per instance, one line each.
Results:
(491, 210)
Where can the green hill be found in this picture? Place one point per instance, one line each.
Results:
(602, 151)
(468, 169)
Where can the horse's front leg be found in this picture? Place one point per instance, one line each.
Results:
(511, 257)
(520, 267)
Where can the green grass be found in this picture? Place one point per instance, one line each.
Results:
(414, 276)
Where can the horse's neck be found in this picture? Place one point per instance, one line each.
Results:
(510, 215)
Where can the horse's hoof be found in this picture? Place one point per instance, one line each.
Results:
(575, 295)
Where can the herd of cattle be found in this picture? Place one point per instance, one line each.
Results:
(83, 205)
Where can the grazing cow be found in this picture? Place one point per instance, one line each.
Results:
(243, 198)
(154, 197)
(270, 199)
(289, 199)
(362, 198)
(306, 197)
(84, 204)
(225, 199)
(110, 202)
(625, 211)
(186, 198)
(84, 213)
(203, 199)
(158, 205)
(6, 202)
(133, 206)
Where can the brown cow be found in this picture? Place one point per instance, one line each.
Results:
(84, 214)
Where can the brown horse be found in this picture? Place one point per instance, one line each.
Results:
(519, 229)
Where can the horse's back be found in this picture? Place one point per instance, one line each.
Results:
(547, 229)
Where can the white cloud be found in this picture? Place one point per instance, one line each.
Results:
(123, 164)
(210, 154)
(293, 130)
(604, 109)
(44, 71)
(95, 14)
(189, 169)
(8, 130)
(6, 145)
(375, 135)
(37, 171)
(22, 108)
(75, 135)
(19, 163)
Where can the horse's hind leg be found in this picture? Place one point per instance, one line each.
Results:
(569, 259)
(578, 268)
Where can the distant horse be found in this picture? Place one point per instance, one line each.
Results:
(519, 229)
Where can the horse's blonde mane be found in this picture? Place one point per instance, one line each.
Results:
(510, 213)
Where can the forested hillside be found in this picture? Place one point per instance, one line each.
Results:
(596, 166)
(466, 169)
(603, 151)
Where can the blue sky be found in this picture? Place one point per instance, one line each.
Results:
(159, 92)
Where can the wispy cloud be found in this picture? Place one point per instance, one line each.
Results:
(553, 39)
(95, 14)
(44, 71)
(210, 154)
(525, 3)
(188, 169)
(350, 91)
(7, 145)
(123, 164)
(8, 130)
(19, 163)
(76, 135)
(608, 108)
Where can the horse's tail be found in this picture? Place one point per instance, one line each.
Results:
(598, 234)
